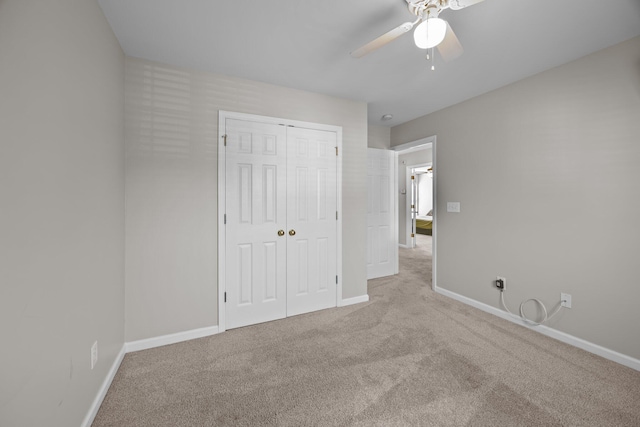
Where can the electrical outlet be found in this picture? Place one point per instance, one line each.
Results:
(501, 283)
(94, 354)
(565, 300)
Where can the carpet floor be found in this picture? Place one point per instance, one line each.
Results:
(407, 357)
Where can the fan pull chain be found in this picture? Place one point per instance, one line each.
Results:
(431, 56)
(430, 51)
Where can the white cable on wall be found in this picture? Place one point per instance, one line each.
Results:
(523, 317)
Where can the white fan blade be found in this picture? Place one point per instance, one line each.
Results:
(382, 40)
(450, 48)
(461, 4)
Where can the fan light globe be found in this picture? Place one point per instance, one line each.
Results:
(430, 33)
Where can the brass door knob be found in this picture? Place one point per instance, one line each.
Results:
(292, 232)
(280, 232)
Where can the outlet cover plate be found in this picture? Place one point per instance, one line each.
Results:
(453, 207)
(565, 300)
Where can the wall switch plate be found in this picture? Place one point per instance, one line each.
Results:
(453, 207)
(565, 300)
(94, 354)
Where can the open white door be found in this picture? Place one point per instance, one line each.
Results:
(382, 223)
(413, 208)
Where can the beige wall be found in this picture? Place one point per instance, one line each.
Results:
(171, 187)
(379, 137)
(61, 208)
(547, 174)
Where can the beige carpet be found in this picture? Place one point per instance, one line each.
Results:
(408, 357)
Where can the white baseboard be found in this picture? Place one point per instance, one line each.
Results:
(102, 392)
(550, 332)
(145, 344)
(170, 339)
(354, 300)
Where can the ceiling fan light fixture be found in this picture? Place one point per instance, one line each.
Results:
(430, 33)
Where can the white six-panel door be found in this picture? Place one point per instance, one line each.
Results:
(281, 225)
(382, 223)
(311, 215)
(256, 211)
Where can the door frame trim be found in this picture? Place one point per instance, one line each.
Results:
(222, 191)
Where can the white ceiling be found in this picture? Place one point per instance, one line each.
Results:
(305, 44)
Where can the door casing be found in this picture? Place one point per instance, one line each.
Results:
(222, 190)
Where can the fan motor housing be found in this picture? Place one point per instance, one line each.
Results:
(430, 8)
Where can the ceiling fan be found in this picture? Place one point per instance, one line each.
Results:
(430, 32)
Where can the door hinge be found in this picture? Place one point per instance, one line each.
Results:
(225, 219)
(225, 297)
(336, 279)
(412, 177)
(336, 215)
(224, 137)
(413, 235)
(336, 151)
(413, 206)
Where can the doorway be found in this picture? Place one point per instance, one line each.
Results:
(279, 218)
(419, 202)
(416, 156)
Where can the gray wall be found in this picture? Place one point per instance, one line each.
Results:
(171, 187)
(61, 208)
(547, 172)
(378, 137)
(418, 157)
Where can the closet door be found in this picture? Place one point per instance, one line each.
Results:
(311, 220)
(256, 213)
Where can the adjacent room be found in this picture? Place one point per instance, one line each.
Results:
(208, 216)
